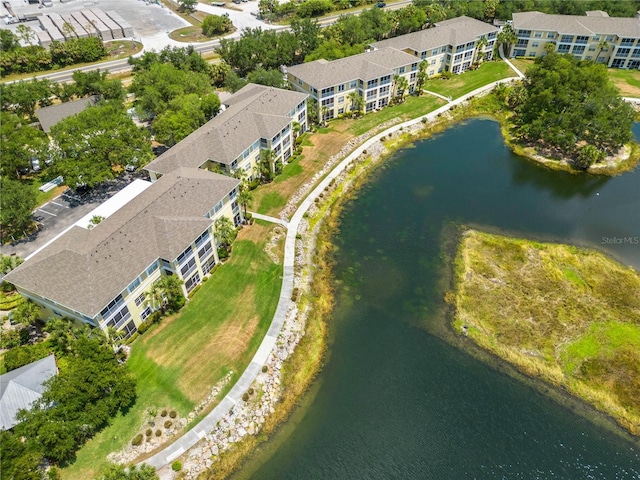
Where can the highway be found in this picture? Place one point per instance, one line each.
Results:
(122, 65)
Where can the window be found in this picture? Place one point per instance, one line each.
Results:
(535, 45)
(145, 313)
(113, 306)
(582, 39)
(371, 94)
(192, 282)
(457, 58)
(519, 53)
(578, 49)
(129, 329)
(208, 265)
(341, 88)
(184, 255)
(414, 67)
(340, 110)
(372, 83)
(623, 52)
(384, 89)
(423, 55)
(202, 238)
(566, 39)
(217, 208)
(188, 267)
(537, 34)
(563, 48)
(385, 80)
(522, 43)
(383, 102)
(205, 251)
(456, 69)
(636, 53)
(118, 318)
(532, 54)
(140, 299)
(300, 82)
(402, 69)
(617, 63)
(433, 62)
(551, 35)
(328, 102)
(341, 99)
(353, 84)
(627, 42)
(152, 268)
(431, 72)
(524, 33)
(434, 51)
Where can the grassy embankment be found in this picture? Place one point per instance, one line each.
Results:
(177, 362)
(460, 85)
(160, 362)
(568, 315)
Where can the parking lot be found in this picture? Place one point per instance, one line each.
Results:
(63, 211)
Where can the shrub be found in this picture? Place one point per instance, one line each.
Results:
(168, 424)
(173, 414)
(195, 289)
(14, 338)
(245, 396)
(144, 326)
(158, 433)
(298, 236)
(250, 391)
(163, 413)
(204, 279)
(216, 25)
(137, 440)
(294, 294)
(176, 466)
(264, 369)
(149, 432)
(223, 253)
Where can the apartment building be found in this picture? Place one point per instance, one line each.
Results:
(255, 118)
(612, 41)
(452, 45)
(369, 74)
(100, 276)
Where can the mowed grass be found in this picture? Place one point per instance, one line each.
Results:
(569, 315)
(627, 81)
(178, 362)
(468, 81)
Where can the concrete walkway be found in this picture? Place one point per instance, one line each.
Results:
(446, 99)
(513, 67)
(181, 445)
(267, 218)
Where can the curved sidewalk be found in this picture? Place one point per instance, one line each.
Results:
(184, 443)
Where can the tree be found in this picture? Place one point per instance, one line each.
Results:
(307, 33)
(244, 198)
(18, 202)
(26, 313)
(224, 231)
(568, 104)
(9, 262)
(165, 294)
(480, 54)
(187, 5)
(26, 34)
(356, 101)
(270, 78)
(157, 86)
(216, 25)
(120, 472)
(8, 40)
(23, 97)
(92, 145)
(507, 37)
(422, 76)
(400, 87)
(20, 143)
(265, 165)
(602, 46)
(183, 116)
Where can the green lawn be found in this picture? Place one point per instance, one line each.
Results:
(412, 107)
(270, 201)
(464, 83)
(177, 362)
(290, 170)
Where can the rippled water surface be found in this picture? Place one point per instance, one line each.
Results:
(395, 400)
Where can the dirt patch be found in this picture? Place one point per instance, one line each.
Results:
(626, 90)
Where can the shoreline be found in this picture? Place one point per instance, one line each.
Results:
(535, 366)
(363, 160)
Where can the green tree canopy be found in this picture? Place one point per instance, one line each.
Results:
(567, 103)
(20, 143)
(18, 202)
(216, 25)
(162, 82)
(184, 115)
(120, 472)
(89, 145)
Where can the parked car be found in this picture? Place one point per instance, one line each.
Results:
(381, 4)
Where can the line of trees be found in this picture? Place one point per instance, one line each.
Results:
(15, 58)
(570, 106)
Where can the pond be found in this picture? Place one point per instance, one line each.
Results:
(398, 397)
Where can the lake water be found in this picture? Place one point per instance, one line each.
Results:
(396, 399)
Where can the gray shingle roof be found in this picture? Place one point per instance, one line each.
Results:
(21, 387)
(49, 116)
(253, 112)
(85, 269)
(455, 31)
(577, 25)
(364, 66)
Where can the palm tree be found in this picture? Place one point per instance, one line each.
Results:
(400, 87)
(357, 102)
(295, 126)
(26, 313)
(265, 164)
(481, 44)
(507, 37)
(244, 198)
(601, 46)
(422, 76)
(223, 231)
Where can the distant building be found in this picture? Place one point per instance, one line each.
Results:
(21, 387)
(49, 116)
(452, 45)
(612, 41)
